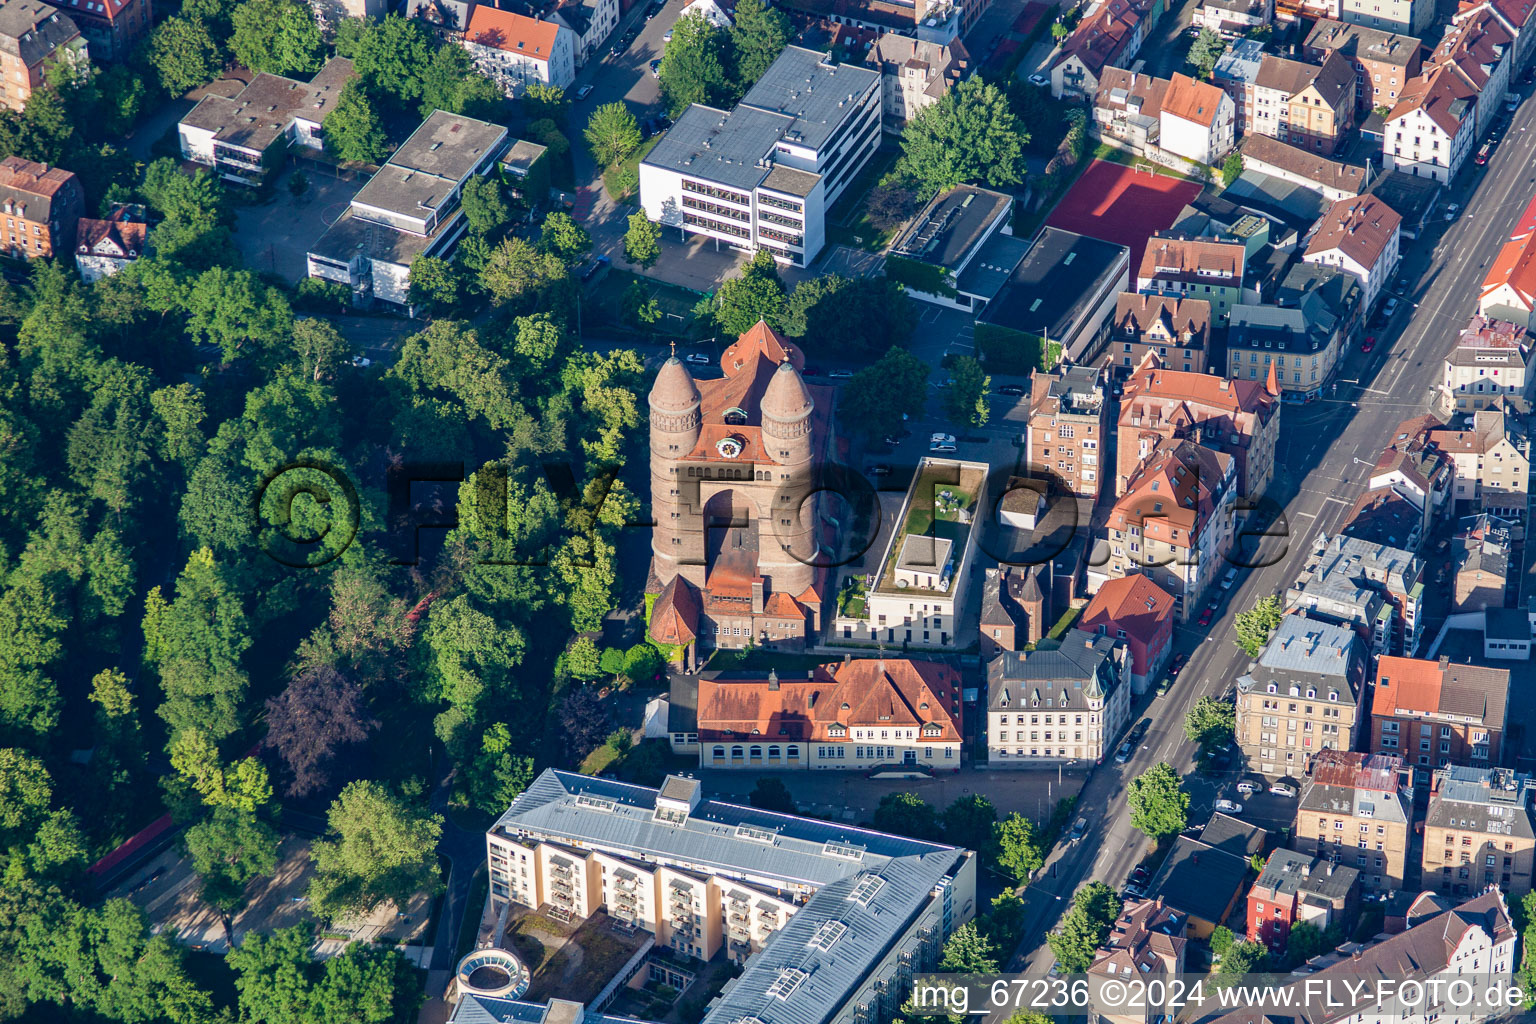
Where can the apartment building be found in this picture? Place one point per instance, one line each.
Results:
(1480, 558)
(850, 715)
(1410, 17)
(1475, 938)
(1383, 60)
(914, 74)
(1414, 467)
(1491, 461)
(1063, 704)
(1147, 942)
(1298, 888)
(590, 23)
(1361, 236)
(1357, 810)
(104, 247)
(1238, 417)
(1233, 18)
(1013, 608)
(1139, 612)
(1293, 350)
(1517, 16)
(1482, 51)
(32, 35)
(514, 50)
(245, 138)
(829, 921)
(1128, 108)
(1194, 268)
(763, 175)
(1374, 588)
(1177, 329)
(1509, 290)
(410, 208)
(111, 28)
(41, 206)
(1175, 521)
(1110, 35)
(1430, 130)
(1301, 697)
(1488, 367)
(1237, 75)
(1068, 429)
(1307, 105)
(1438, 713)
(1479, 831)
(1198, 121)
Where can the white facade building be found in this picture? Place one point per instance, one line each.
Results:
(1430, 131)
(514, 50)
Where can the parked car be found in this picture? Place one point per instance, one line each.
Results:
(1164, 686)
(1283, 788)
(1014, 390)
(1176, 664)
(1140, 731)
(1040, 80)
(362, 362)
(1079, 829)
(879, 469)
(1206, 616)
(1247, 787)
(1141, 876)
(696, 357)
(1451, 210)
(1229, 807)
(656, 68)
(584, 92)
(941, 439)
(1124, 753)
(943, 449)
(1483, 154)
(594, 266)
(840, 374)
(1229, 579)
(1369, 343)
(1389, 307)
(667, 36)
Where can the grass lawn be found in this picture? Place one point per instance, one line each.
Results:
(846, 222)
(762, 661)
(601, 954)
(606, 300)
(851, 601)
(631, 163)
(1119, 156)
(1064, 623)
(925, 519)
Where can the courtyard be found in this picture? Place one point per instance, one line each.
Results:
(274, 236)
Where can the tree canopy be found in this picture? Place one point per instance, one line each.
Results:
(1157, 801)
(970, 136)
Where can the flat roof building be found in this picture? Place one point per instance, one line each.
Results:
(1064, 290)
(967, 235)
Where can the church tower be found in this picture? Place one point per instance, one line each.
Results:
(675, 423)
(786, 422)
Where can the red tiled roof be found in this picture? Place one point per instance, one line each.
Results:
(514, 33)
(1134, 603)
(675, 615)
(1436, 92)
(1361, 227)
(1192, 100)
(1516, 267)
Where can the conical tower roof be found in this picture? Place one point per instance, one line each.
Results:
(674, 390)
(786, 398)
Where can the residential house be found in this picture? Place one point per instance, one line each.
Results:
(1061, 295)
(525, 172)
(963, 248)
(1193, 268)
(1517, 16)
(246, 138)
(1198, 121)
(1383, 60)
(41, 206)
(1307, 105)
(1233, 18)
(1201, 881)
(444, 19)
(850, 715)
(1323, 292)
(914, 73)
(111, 28)
(410, 208)
(823, 919)
(763, 175)
(1013, 612)
(1128, 108)
(1141, 613)
(330, 13)
(1237, 74)
(1239, 417)
(103, 247)
(1146, 943)
(1297, 888)
(1341, 576)
(1357, 810)
(1360, 235)
(1476, 938)
(1430, 130)
(1488, 366)
(1478, 831)
(590, 22)
(719, 13)
(1177, 329)
(1480, 558)
(1333, 179)
(1175, 521)
(1109, 36)
(1067, 433)
(1285, 345)
(1413, 466)
(1385, 516)
(1056, 705)
(514, 50)
(33, 34)
(1509, 290)
(1481, 50)
(1437, 713)
(1301, 697)
(1492, 462)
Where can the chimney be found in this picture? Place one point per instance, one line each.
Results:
(847, 658)
(1445, 662)
(773, 680)
(757, 597)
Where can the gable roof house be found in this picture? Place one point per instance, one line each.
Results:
(1509, 289)
(1360, 235)
(31, 35)
(914, 74)
(1383, 60)
(1111, 35)
(1177, 329)
(1134, 609)
(1198, 121)
(1437, 713)
(1332, 179)
(513, 49)
(1430, 130)
(1146, 942)
(1306, 105)
(48, 200)
(1128, 108)
(103, 247)
(1482, 51)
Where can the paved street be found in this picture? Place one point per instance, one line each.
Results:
(1317, 477)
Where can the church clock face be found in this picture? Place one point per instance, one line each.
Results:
(729, 447)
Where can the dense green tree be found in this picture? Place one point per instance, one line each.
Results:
(1221, 940)
(1239, 961)
(500, 775)
(320, 348)
(1232, 167)
(32, 622)
(436, 285)
(485, 208)
(969, 136)
(184, 54)
(757, 294)
(177, 431)
(1205, 51)
(1255, 626)
(472, 658)
(907, 814)
(563, 237)
(378, 848)
(965, 401)
(874, 400)
(639, 307)
(1084, 927)
(1003, 923)
(770, 794)
(391, 55)
(235, 311)
(1304, 941)
(582, 660)
(273, 975)
(318, 715)
(520, 273)
(1019, 853)
(353, 131)
(612, 133)
(968, 951)
(971, 822)
(228, 849)
(450, 82)
(839, 315)
(540, 101)
(26, 792)
(1157, 801)
(1211, 722)
(695, 67)
(111, 444)
(642, 242)
(447, 360)
(758, 35)
(279, 37)
(195, 641)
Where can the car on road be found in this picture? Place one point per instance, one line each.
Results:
(1140, 731)
(696, 357)
(891, 439)
(943, 449)
(1141, 876)
(594, 267)
(1014, 390)
(1283, 788)
(1513, 103)
(1369, 343)
(656, 68)
(362, 362)
(880, 469)
(1390, 307)
(1164, 686)
(1079, 829)
(584, 91)
(1483, 154)
(1247, 787)
(1176, 664)
(840, 374)
(667, 36)
(1451, 210)
(1229, 579)
(1124, 753)
(1040, 80)
(1206, 616)
(1229, 807)
(941, 439)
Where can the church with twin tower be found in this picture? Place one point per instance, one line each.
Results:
(738, 550)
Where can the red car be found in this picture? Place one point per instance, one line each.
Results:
(1205, 617)
(1369, 343)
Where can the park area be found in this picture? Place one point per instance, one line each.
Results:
(1123, 204)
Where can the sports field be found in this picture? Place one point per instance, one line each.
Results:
(1121, 204)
